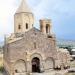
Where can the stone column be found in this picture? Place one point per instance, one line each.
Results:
(42, 66)
(29, 70)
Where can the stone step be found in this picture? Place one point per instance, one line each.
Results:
(43, 73)
(63, 72)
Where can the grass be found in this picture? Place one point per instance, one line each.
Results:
(1, 62)
(1, 69)
(70, 74)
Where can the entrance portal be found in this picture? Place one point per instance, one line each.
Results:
(36, 65)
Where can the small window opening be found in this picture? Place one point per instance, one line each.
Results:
(49, 36)
(34, 45)
(35, 33)
(26, 25)
(32, 25)
(41, 27)
(47, 28)
(16, 71)
(19, 27)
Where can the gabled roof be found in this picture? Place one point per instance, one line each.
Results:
(23, 7)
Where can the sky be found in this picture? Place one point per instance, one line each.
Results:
(61, 13)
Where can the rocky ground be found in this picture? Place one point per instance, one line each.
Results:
(1, 74)
(63, 72)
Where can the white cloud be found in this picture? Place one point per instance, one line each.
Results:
(58, 10)
(6, 13)
(62, 14)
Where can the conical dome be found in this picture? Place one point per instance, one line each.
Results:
(23, 7)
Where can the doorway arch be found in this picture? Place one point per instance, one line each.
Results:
(36, 64)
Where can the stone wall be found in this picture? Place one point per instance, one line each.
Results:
(32, 44)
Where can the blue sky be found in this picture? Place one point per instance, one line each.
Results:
(61, 12)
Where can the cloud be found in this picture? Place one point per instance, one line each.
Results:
(6, 17)
(62, 13)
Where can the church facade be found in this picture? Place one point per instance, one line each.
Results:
(29, 49)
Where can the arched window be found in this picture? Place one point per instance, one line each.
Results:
(26, 25)
(41, 26)
(32, 25)
(34, 45)
(47, 28)
(19, 26)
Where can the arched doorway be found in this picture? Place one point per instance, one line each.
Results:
(36, 65)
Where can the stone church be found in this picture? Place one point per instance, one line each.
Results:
(29, 50)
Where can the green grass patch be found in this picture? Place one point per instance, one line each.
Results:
(70, 74)
(1, 69)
